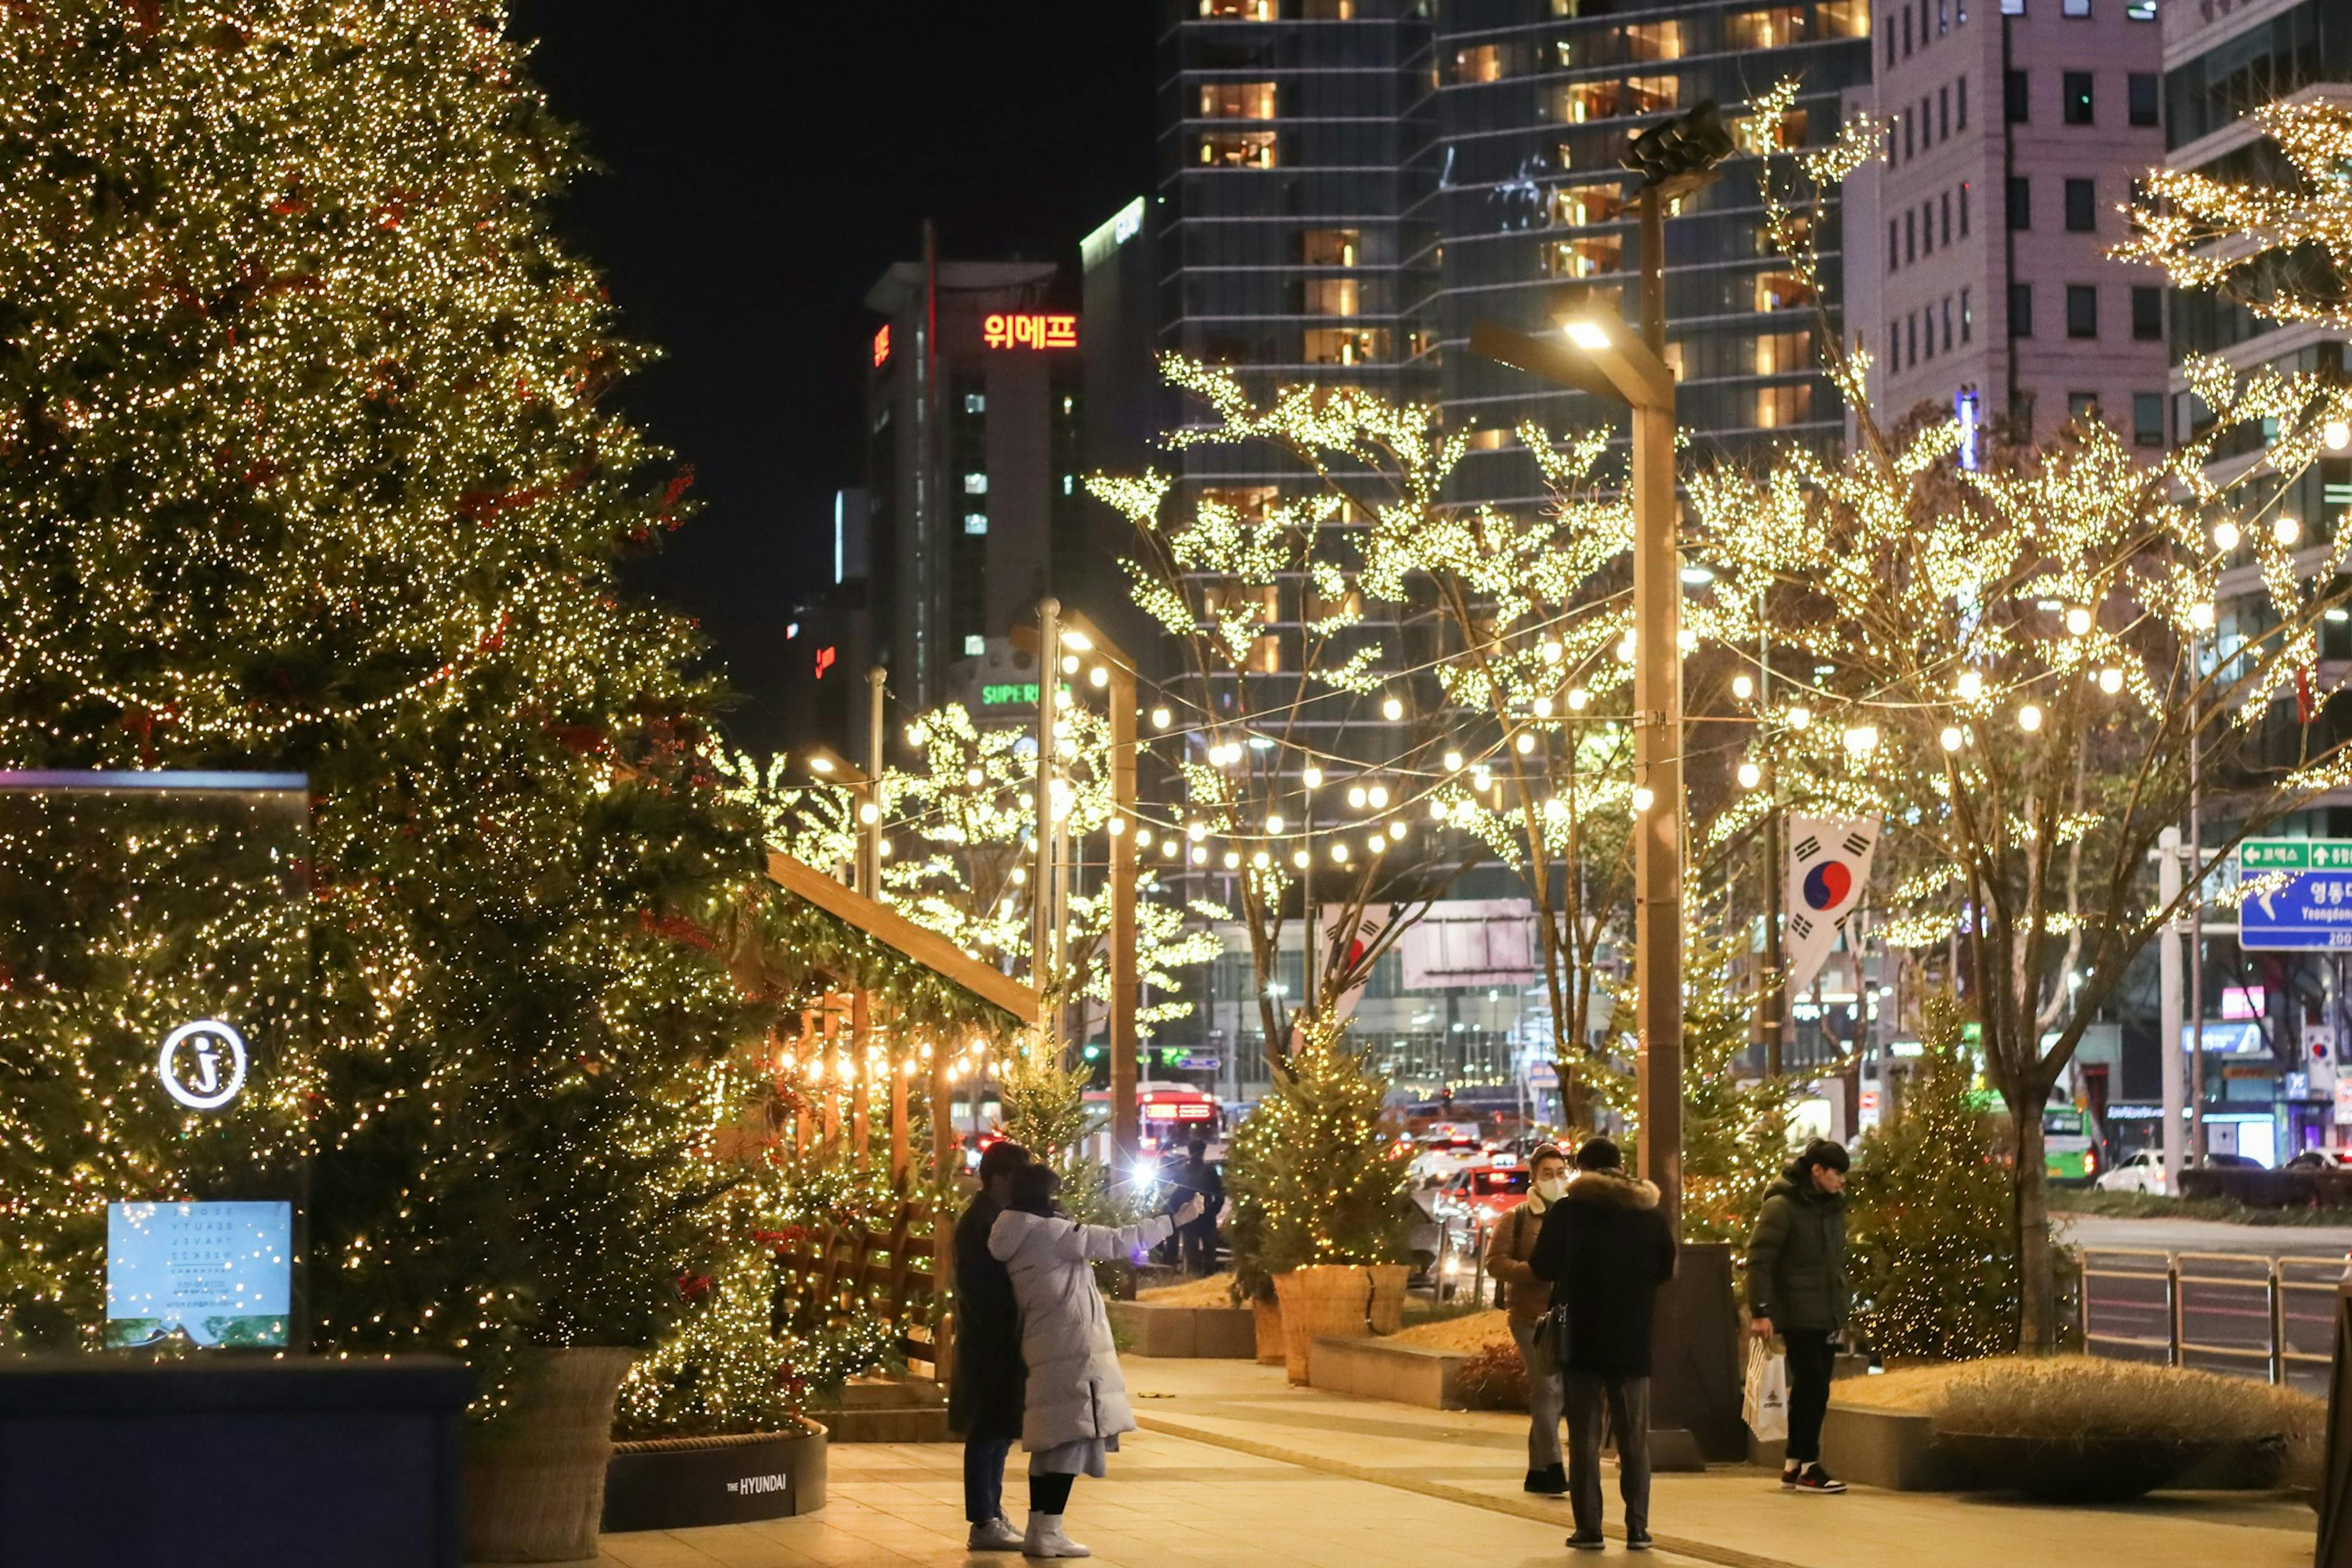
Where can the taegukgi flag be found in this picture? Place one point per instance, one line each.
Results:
(1829, 865)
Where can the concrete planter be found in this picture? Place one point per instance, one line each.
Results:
(678, 1483)
(1215, 1332)
(1374, 1369)
(1896, 1449)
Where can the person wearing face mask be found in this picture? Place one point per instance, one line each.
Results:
(1797, 1289)
(1528, 1299)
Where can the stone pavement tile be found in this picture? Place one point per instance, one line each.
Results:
(1735, 1513)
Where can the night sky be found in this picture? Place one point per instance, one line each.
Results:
(763, 164)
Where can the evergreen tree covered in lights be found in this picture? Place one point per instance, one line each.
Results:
(1929, 1214)
(1317, 1173)
(305, 466)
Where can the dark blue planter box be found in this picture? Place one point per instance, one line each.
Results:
(231, 1462)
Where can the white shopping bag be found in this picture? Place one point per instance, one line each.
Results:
(1764, 1407)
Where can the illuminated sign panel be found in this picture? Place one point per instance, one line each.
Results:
(882, 346)
(826, 658)
(1028, 329)
(203, 1064)
(207, 1273)
(1009, 691)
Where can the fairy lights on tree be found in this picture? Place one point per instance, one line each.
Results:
(305, 465)
(2010, 665)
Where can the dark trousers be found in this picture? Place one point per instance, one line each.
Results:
(1050, 1493)
(1626, 1403)
(1199, 1240)
(1812, 1356)
(983, 1477)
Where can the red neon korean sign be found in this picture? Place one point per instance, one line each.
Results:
(1021, 329)
(826, 658)
(882, 346)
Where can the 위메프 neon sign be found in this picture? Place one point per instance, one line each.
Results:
(1025, 330)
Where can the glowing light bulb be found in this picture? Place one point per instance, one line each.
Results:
(1161, 718)
(1261, 859)
(1098, 675)
(2286, 530)
(1861, 739)
(2029, 718)
(1552, 652)
(2337, 434)
(1950, 737)
(1643, 797)
(1169, 848)
(1542, 707)
(2111, 682)
(1020, 874)
(1578, 697)
(1453, 761)
(1378, 796)
(1355, 798)
(1069, 664)
(1200, 856)
(1143, 838)
(1742, 687)
(1232, 859)
(1274, 822)
(974, 777)
(2201, 616)
(1299, 858)
(1196, 831)
(1392, 709)
(1436, 810)
(1312, 777)
(1971, 686)
(1751, 775)
(1799, 718)
(869, 814)
(1525, 741)
(1687, 640)
(2225, 535)
(1339, 852)
(1115, 826)
(2078, 620)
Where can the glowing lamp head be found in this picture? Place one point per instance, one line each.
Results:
(821, 765)
(1586, 334)
(1073, 637)
(1161, 718)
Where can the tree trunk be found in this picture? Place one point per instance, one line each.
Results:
(2037, 1325)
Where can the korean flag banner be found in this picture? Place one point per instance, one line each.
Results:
(1829, 865)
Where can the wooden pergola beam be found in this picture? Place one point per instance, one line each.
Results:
(886, 925)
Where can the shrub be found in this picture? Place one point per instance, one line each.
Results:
(1493, 1378)
(2090, 1398)
(2259, 1189)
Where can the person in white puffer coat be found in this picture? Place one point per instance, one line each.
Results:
(1076, 1405)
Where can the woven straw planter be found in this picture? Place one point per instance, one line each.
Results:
(1271, 1351)
(1388, 1296)
(535, 1488)
(1326, 1301)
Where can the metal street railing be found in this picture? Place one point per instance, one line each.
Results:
(2234, 1312)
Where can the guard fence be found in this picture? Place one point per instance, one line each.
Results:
(2241, 1313)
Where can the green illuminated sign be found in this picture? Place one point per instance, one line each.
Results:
(2295, 854)
(1007, 693)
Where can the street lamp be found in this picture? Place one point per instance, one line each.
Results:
(1595, 353)
(829, 765)
(1077, 634)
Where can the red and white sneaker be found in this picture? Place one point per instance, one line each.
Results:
(1812, 1479)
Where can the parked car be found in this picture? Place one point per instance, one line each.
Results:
(1443, 1158)
(2320, 1159)
(2142, 1172)
(1478, 1196)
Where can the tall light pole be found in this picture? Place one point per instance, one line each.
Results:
(1599, 356)
(1080, 637)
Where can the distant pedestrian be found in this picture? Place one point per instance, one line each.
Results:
(1605, 1249)
(984, 1395)
(1198, 1178)
(1076, 1406)
(1528, 1299)
(1797, 1287)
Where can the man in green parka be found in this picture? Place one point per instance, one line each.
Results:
(1797, 1289)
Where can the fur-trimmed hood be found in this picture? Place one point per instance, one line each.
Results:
(1611, 1189)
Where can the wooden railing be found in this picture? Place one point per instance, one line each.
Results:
(892, 1274)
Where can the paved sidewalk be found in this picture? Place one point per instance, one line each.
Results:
(1732, 1516)
(1237, 1469)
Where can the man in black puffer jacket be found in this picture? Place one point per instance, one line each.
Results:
(1797, 1289)
(1606, 1249)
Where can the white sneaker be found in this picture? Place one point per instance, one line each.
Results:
(994, 1535)
(1046, 1538)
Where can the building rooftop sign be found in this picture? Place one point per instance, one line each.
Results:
(1028, 330)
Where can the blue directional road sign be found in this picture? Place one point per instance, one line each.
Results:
(2311, 911)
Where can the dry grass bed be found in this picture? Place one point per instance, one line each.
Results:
(1213, 1290)
(1472, 1331)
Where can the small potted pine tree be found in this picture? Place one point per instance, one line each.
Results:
(1317, 1178)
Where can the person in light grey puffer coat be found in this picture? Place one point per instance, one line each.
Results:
(1076, 1405)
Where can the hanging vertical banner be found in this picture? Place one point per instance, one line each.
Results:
(1829, 865)
(1349, 944)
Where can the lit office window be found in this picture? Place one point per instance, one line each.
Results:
(975, 403)
(1238, 149)
(975, 646)
(975, 522)
(1237, 100)
(975, 484)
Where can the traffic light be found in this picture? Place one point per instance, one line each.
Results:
(1689, 144)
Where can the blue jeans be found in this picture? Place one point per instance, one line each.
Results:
(983, 1477)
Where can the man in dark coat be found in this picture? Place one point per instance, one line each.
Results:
(1198, 1178)
(1605, 1249)
(984, 1397)
(1797, 1289)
